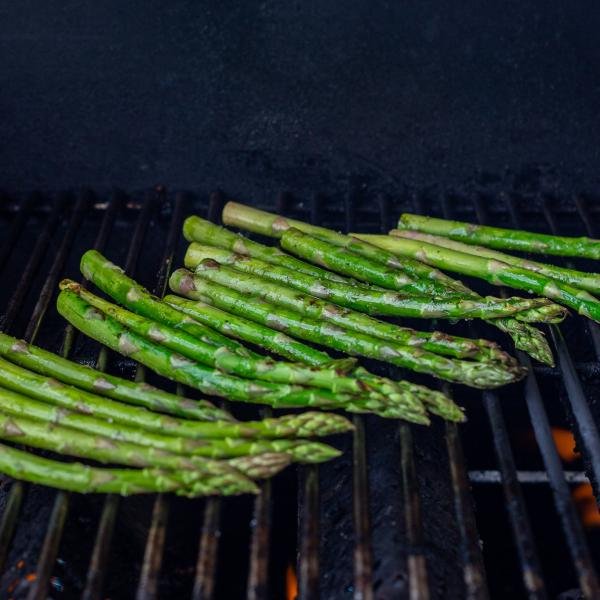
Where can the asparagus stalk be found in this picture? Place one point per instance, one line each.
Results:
(585, 281)
(112, 280)
(261, 466)
(300, 450)
(333, 377)
(214, 475)
(272, 225)
(436, 342)
(308, 424)
(498, 273)
(77, 477)
(401, 393)
(140, 394)
(503, 239)
(344, 261)
(202, 286)
(169, 364)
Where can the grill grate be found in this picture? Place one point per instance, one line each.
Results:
(391, 554)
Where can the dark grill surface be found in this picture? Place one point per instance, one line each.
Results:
(395, 517)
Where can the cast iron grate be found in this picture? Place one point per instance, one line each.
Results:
(396, 517)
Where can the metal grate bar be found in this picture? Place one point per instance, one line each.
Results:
(148, 584)
(308, 497)
(417, 566)
(363, 554)
(529, 563)
(474, 574)
(562, 498)
(206, 563)
(61, 503)
(101, 551)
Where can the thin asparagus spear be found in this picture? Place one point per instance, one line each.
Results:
(78, 477)
(498, 273)
(141, 394)
(300, 450)
(215, 475)
(397, 392)
(436, 342)
(503, 239)
(333, 377)
(174, 366)
(585, 281)
(202, 286)
(272, 225)
(308, 424)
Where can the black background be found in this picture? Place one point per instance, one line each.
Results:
(254, 96)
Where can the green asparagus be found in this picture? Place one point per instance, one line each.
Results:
(503, 239)
(436, 342)
(585, 281)
(497, 273)
(402, 393)
(258, 221)
(141, 394)
(209, 273)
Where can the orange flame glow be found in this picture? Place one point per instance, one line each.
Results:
(586, 505)
(291, 583)
(565, 444)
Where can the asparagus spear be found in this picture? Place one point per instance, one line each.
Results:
(112, 280)
(308, 424)
(333, 378)
(141, 394)
(503, 239)
(77, 477)
(261, 466)
(498, 273)
(202, 286)
(342, 260)
(214, 475)
(300, 450)
(436, 342)
(402, 393)
(272, 225)
(585, 281)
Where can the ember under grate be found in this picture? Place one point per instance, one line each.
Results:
(395, 517)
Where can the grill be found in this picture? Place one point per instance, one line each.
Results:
(477, 511)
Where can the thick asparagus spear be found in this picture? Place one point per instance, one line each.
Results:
(141, 394)
(174, 366)
(300, 450)
(333, 377)
(497, 273)
(503, 239)
(343, 261)
(402, 393)
(308, 424)
(202, 286)
(272, 225)
(436, 342)
(585, 281)
(213, 475)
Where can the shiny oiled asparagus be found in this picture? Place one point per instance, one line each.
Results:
(436, 342)
(503, 239)
(202, 285)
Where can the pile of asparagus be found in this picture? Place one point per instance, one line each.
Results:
(165, 442)
(359, 275)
